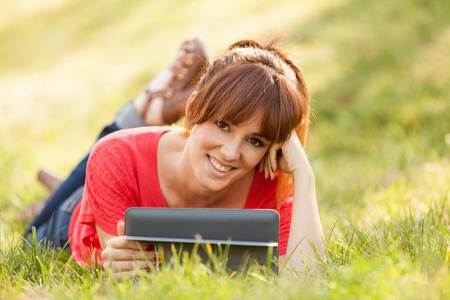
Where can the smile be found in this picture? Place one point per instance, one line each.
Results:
(218, 166)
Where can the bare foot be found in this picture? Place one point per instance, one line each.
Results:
(50, 180)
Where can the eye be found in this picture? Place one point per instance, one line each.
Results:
(256, 142)
(222, 125)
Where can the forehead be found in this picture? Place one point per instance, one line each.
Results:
(253, 124)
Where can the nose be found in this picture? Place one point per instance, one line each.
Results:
(231, 149)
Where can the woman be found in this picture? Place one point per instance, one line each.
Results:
(161, 102)
(243, 148)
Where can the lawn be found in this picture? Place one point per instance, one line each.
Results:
(379, 142)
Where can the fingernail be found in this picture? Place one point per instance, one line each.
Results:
(149, 248)
(148, 270)
(271, 168)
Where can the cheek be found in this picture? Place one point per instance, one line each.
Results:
(203, 138)
(253, 158)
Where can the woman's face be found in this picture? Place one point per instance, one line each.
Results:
(221, 153)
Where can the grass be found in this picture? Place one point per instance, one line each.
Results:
(379, 141)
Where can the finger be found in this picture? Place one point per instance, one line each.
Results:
(261, 164)
(121, 228)
(122, 242)
(125, 254)
(273, 160)
(126, 266)
(112, 254)
(123, 275)
(267, 165)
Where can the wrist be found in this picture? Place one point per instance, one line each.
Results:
(302, 173)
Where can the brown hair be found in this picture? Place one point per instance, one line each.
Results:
(252, 77)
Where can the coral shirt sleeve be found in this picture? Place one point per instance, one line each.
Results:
(110, 187)
(262, 196)
(285, 223)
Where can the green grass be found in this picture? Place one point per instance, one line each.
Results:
(379, 142)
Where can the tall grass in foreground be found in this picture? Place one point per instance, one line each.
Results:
(406, 257)
(379, 143)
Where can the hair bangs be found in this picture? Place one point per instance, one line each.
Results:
(234, 96)
(283, 112)
(244, 89)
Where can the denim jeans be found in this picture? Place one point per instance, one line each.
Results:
(55, 217)
(53, 221)
(55, 230)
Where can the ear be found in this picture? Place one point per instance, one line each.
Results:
(187, 109)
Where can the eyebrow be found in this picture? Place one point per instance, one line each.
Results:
(260, 135)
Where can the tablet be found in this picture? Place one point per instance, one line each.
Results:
(247, 236)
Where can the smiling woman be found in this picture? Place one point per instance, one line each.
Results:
(247, 120)
(223, 156)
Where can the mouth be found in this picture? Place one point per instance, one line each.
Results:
(219, 166)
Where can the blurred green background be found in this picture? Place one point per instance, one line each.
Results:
(378, 73)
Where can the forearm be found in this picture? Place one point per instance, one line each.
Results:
(306, 228)
(103, 236)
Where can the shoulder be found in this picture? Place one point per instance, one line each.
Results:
(129, 139)
(173, 140)
(126, 135)
(128, 143)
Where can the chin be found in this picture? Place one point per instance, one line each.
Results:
(214, 185)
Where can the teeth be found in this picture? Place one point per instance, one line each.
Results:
(218, 166)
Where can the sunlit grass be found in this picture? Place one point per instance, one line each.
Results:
(379, 142)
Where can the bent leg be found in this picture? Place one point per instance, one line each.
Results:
(55, 230)
(68, 187)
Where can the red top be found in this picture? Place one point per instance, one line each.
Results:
(122, 173)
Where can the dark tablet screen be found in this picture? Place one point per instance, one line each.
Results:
(254, 233)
